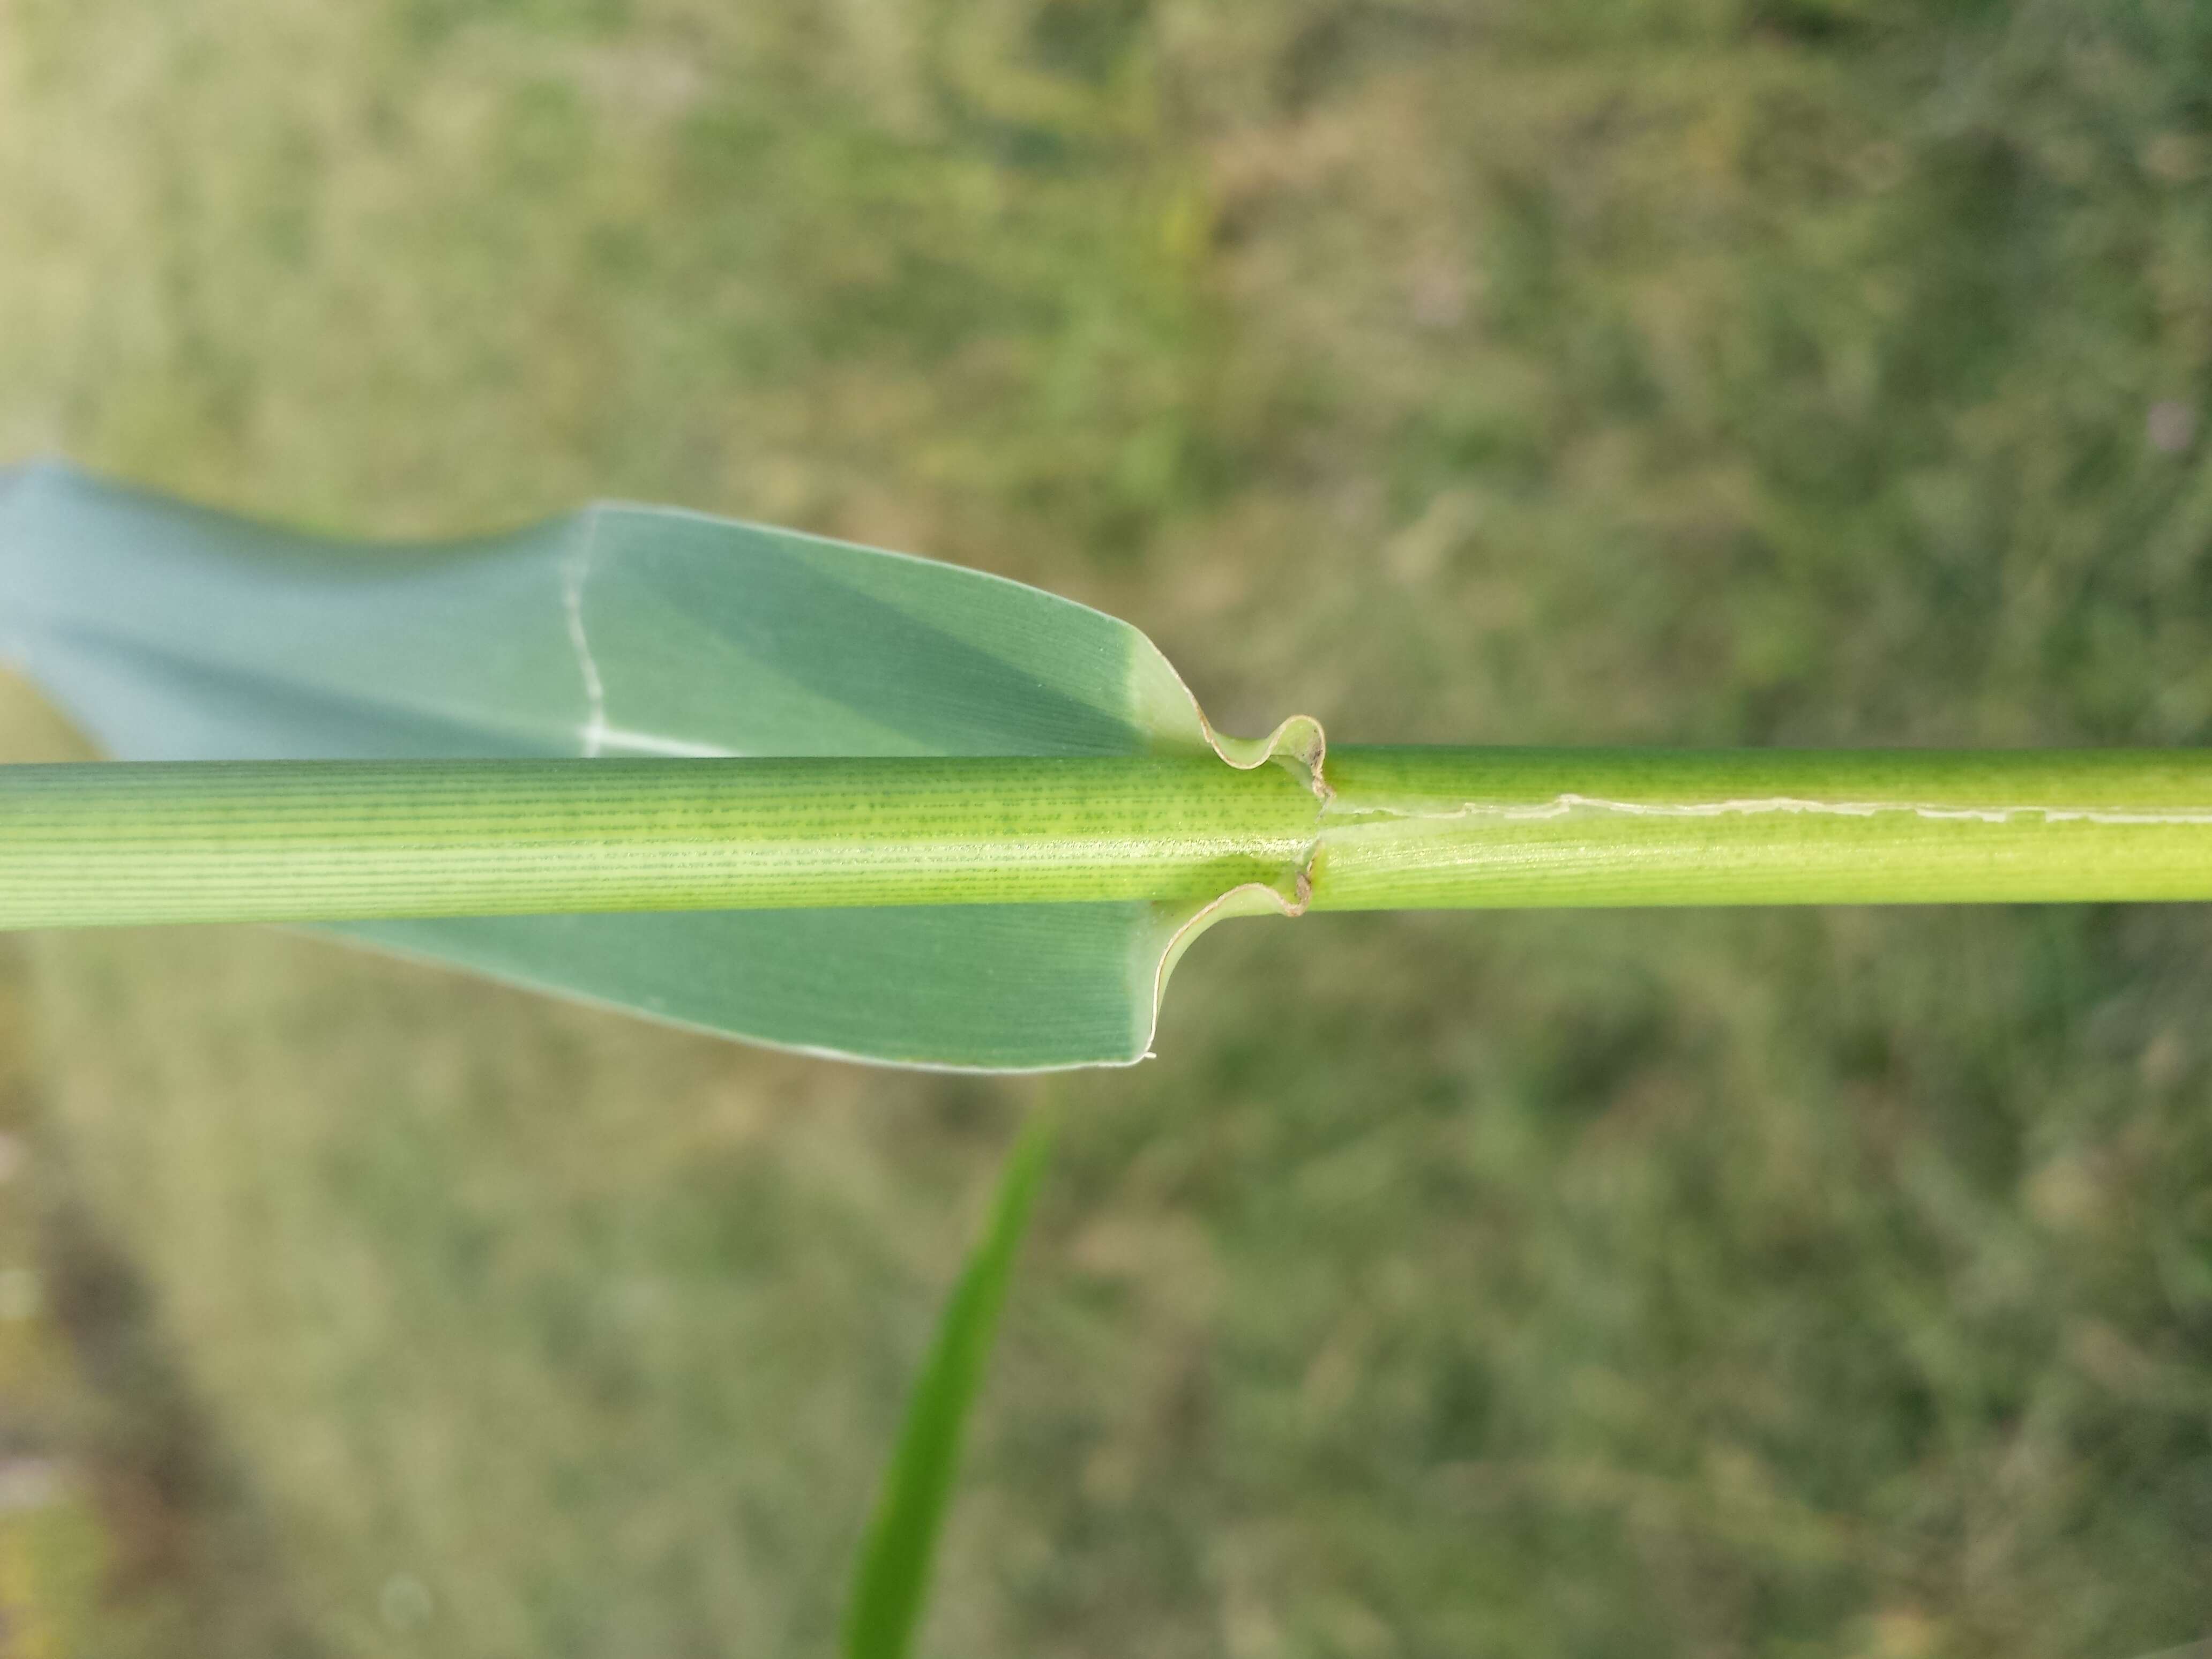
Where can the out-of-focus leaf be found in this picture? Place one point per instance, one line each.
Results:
(172, 633)
(893, 1574)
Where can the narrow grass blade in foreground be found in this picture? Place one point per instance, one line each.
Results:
(893, 1574)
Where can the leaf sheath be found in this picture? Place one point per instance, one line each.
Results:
(323, 841)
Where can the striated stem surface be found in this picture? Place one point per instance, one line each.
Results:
(330, 841)
(1396, 828)
(1423, 827)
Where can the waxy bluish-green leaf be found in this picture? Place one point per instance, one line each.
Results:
(172, 633)
(1002, 811)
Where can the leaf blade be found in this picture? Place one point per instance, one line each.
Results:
(891, 1584)
(170, 632)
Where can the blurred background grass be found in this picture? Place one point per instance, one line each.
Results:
(1687, 371)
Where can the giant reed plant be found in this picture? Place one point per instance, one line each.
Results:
(816, 795)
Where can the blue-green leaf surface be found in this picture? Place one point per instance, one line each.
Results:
(172, 633)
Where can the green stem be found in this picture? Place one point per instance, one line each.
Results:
(1402, 828)
(330, 841)
(1419, 828)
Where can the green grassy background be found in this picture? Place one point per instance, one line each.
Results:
(1719, 370)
